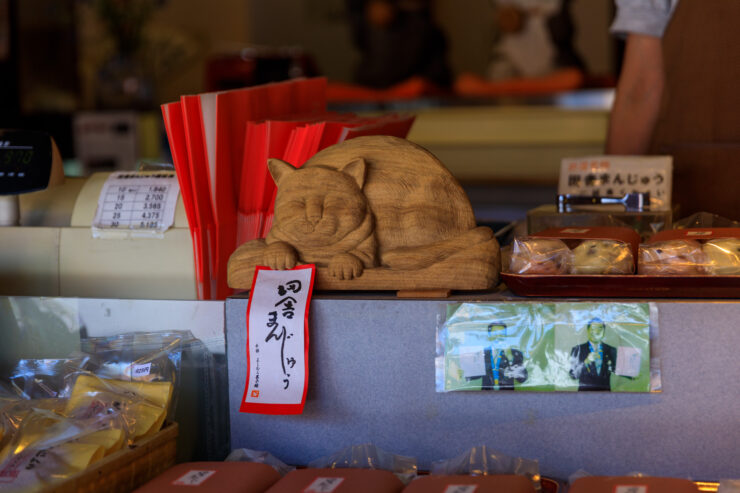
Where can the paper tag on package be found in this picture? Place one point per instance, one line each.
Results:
(628, 361)
(631, 488)
(194, 477)
(616, 176)
(277, 341)
(472, 361)
(323, 485)
(461, 488)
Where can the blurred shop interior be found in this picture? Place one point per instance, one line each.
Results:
(502, 90)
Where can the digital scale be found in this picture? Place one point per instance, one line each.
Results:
(29, 161)
(51, 245)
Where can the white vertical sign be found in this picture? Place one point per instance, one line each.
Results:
(277, 341)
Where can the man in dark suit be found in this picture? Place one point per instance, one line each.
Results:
(503, 365)
(593, 362)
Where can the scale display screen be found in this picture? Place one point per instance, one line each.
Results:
(25, 161)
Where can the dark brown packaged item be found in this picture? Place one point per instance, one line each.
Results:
(539, 256)
(338, 481)
(599, 250)
(574, 251)
(221, 477)
(720, 246)
(692, 251)
(505, 483)
(671, 258)
(628, 484)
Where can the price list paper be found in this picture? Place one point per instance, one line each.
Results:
(136, 204)
(277, 341)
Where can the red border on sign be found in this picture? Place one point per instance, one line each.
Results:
(251, 407)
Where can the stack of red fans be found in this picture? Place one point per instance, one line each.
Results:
(220, 143)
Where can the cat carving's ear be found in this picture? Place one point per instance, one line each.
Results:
(278, 169)
(356, 169)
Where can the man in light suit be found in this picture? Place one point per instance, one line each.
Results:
(593, 362)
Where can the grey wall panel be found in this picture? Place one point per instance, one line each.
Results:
(372, 380)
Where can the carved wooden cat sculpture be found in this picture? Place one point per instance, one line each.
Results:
(377, 213)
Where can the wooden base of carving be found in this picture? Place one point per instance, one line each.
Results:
(472, 269)
(423, 293)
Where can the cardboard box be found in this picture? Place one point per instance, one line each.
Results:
(628, 484)
(646, 223)
(697, 234)
(226, 477)
(692, 251)
(338, 481)
(483, 484)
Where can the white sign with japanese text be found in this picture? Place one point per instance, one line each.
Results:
(277, 341)
(616, 176)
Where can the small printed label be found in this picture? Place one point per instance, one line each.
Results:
(12, 467)
(194, 478)
(136, 204)
(630, 489)
(141, 370)
(461, 488)
(628, 361)
(698, 233)
(575, 231)
(472, 362)
(323, 485)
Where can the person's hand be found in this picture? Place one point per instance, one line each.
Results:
(516, 371)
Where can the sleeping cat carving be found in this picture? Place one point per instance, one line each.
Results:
(373, 213)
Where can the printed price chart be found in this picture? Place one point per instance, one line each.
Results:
(137, 202)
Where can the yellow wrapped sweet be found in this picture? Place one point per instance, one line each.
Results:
(143, 404)
(110, 439)
(35, 469)
(37, 429)
(54, 440)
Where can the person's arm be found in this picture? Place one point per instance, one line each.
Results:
(638, 96)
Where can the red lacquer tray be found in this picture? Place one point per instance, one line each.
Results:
(626, 286)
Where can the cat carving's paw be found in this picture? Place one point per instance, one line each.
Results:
(280, 256)
(345, 266)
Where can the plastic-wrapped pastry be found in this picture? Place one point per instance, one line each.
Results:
(541, 256)
(671, 258)
(722, 256)
(602, 257)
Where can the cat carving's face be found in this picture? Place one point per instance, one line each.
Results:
(318, 206)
